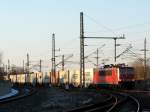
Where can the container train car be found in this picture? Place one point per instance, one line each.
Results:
(116, 76)
(73, 77)
(37, 78)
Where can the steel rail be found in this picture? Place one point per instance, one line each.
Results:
(137, 102)
(127, 96)
(116, 102)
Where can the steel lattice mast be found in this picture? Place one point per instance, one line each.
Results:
(53, 60)
(82, 64)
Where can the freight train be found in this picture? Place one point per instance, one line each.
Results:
(116, 76)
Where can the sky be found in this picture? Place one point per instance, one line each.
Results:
(26, 26)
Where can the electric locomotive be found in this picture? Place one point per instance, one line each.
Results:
(114, 76)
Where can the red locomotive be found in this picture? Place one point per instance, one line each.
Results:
(120, 76)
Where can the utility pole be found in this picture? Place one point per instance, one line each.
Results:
(63, 62)
(82, 37)
(53, 69)
(145, 64)
(115, 50)
(40, 65)
(145, 74)
(8, 71)
(53, 59)
(28, 72)
(27, 63)
(97, 58)
(23, 66)
(82, 64)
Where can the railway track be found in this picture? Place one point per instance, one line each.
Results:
(116, 102)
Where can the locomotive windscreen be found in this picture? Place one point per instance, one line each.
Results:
(105, 72)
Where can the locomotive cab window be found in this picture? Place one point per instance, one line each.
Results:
(105, 72)
(125, 71)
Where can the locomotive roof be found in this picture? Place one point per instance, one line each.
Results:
(116, 66)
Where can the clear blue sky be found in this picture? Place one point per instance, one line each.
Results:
(26, 26)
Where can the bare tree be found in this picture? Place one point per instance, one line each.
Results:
(1, 67)
(139, 70)
(1, 55)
